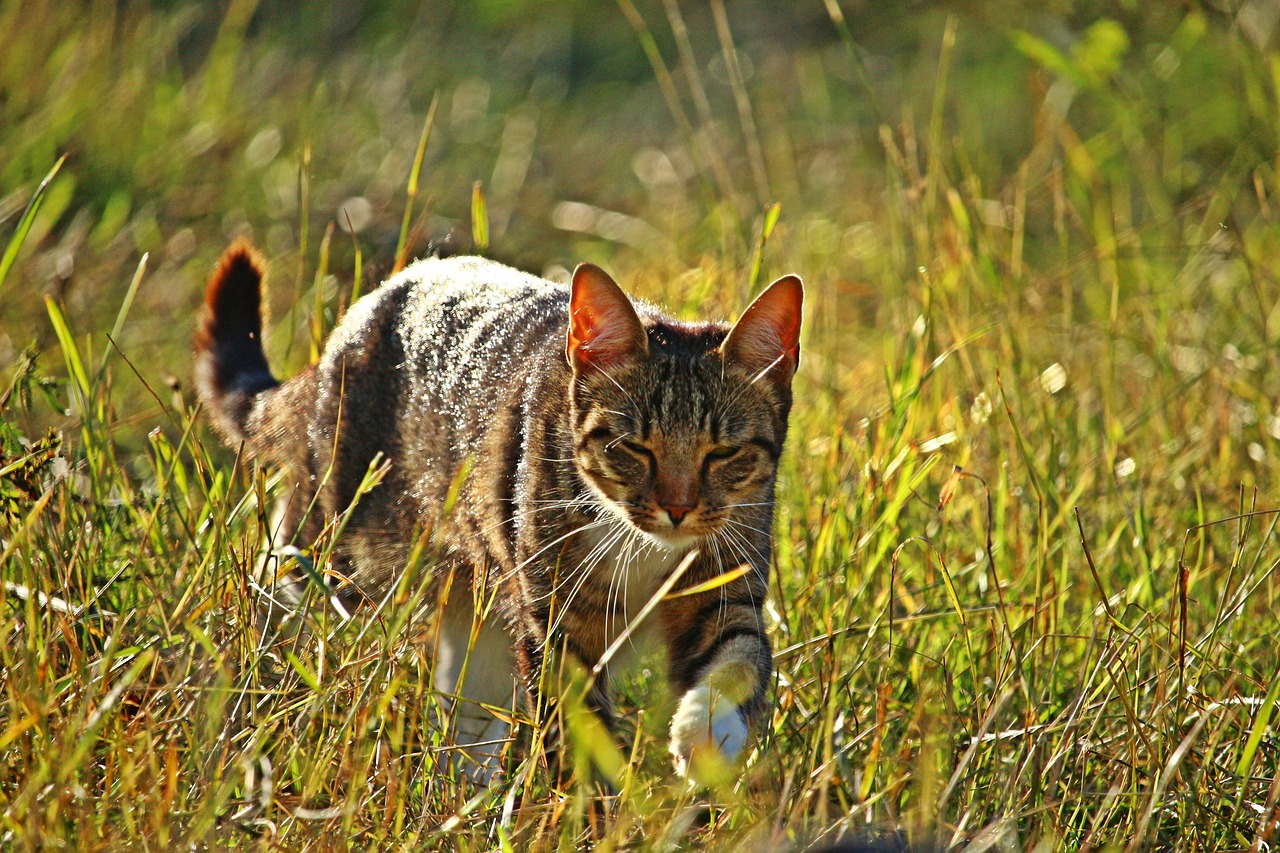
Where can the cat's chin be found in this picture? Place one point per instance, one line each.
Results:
(671, 540)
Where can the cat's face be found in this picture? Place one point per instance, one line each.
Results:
(682, 448)
(679, 428)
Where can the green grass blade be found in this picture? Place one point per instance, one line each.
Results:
(317, 309)
(1260, 726)
(123, 313)
(304, 672)
(479, 218)
(81, 389)
(24, 224)
(402, 246)
(766, 228)
(357, 272)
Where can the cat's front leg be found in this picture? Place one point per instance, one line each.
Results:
(709, 721)
(720, 662)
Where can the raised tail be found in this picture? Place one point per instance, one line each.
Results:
(231, 368)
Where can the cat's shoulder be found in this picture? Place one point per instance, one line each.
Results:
(473, 275)
(437, 299)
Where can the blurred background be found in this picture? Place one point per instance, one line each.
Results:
(648, 136)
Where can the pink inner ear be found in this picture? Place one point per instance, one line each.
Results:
(603, 326)
(768, 333)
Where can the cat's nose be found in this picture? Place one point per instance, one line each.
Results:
(677, 512)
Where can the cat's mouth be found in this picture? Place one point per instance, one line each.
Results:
(675, 532)
(678, 531)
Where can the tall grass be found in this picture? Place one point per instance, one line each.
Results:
(1025, 593)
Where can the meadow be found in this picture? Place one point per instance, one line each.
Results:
(1025, 584)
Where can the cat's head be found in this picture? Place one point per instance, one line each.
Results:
(678, 427)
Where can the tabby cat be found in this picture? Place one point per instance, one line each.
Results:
(605, 444)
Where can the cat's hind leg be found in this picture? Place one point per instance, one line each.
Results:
(475, 671)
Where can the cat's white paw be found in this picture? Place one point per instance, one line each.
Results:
(705, 724)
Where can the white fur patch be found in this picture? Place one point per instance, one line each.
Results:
(706, 722)
(478, 666)
(634, 566)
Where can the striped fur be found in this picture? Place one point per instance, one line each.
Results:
(605, 442)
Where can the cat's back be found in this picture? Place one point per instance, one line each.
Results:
(449, 318)
(461, 338)
(473, 329)
(476, 310)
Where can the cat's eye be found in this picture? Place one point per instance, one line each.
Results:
(637, 451)
(722, 452)
(637, 448)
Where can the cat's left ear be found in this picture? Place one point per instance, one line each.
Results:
(604, 328)
(766, 338)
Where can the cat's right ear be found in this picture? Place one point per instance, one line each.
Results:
(604, 328)
(766, 338)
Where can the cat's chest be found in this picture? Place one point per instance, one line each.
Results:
(625, 573)
(628, 570)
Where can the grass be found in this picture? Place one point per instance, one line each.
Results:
(1026, 541)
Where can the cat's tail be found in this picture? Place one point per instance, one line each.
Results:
(231, 370)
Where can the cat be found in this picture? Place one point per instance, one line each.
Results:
(589, 444)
